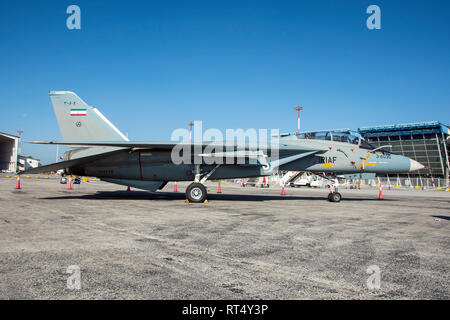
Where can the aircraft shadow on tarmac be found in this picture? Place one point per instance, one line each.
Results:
(442, 217)
(143, 195)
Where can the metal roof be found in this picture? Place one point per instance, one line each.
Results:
(406, 128)
(9, 135)
(318, 131)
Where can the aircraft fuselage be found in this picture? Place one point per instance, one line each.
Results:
(156, 165)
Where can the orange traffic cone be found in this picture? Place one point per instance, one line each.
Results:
(175, 189)
(219, 190)
(70, 183)
(128, 188)
(282, 191)
(380, 195)
(18, 182)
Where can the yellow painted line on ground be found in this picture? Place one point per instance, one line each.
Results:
(37, 177)
(8, 177)
(397, 187)
(439, 188)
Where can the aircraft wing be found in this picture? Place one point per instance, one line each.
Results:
(66, 164)
(170, 145)
(236, 151)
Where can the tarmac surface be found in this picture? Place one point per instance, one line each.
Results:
(246, 243)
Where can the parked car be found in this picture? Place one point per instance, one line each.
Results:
(64, 180)
(249, 182)
(254, 182)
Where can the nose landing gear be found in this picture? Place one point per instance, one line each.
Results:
(334, 197)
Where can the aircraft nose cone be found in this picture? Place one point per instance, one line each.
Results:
(414, 165)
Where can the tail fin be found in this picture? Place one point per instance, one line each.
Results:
(79, 122)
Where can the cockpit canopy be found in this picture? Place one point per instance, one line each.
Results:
(347, 136)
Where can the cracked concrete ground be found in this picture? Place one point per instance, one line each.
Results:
(246, 243)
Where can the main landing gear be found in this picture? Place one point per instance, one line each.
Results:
(196, 191)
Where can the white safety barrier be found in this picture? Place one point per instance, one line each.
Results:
(413, 183)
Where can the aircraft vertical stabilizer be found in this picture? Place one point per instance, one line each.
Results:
(79, 122)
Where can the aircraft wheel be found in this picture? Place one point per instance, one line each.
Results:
(196, 192)
(334, 197)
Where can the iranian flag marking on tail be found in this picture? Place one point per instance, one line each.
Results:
(78, 112)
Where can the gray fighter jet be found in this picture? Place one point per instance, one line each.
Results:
(102, 151)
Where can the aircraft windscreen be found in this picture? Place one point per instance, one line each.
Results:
(344, 136)
(347, 137)
(315, 135)
(366, 145)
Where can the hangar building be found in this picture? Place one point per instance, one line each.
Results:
(426, 142)
(9, 146)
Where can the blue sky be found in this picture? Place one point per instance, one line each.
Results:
(151, 67)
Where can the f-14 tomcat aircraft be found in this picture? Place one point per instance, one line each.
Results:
(103, 151)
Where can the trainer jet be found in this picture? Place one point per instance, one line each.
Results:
(101, 150)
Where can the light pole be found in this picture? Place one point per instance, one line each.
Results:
(20, 136)
(298, 108)
(191, 124)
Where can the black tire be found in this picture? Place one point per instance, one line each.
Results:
(196, 193)
(335, 197)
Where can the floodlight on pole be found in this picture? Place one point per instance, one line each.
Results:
(298, 108)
